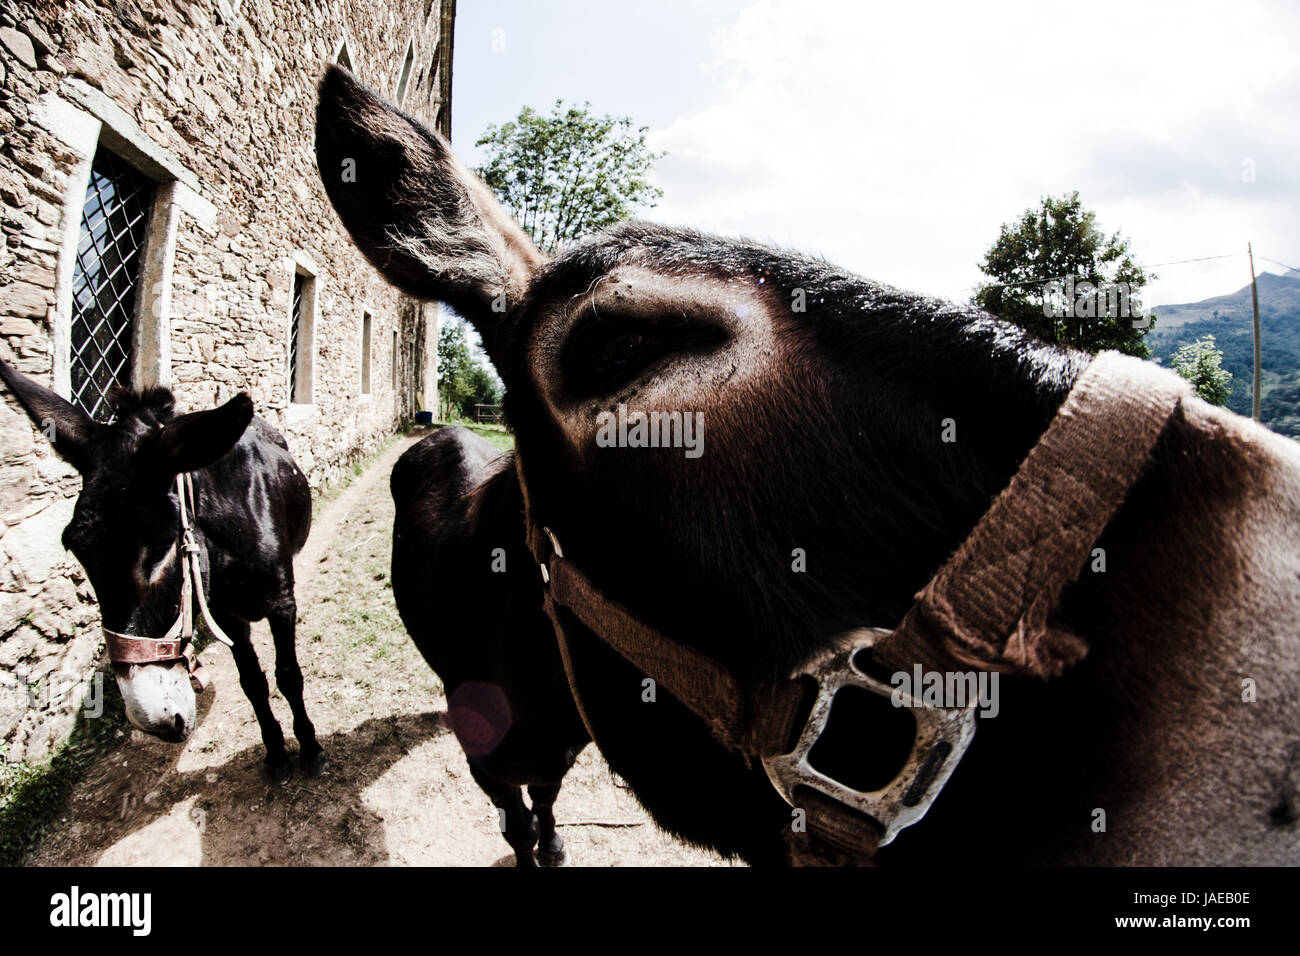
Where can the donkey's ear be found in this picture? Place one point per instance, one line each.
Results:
(196, 440)
(427, 223)
(69, 429)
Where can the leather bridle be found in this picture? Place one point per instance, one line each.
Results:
(178, 642)
(987, 608)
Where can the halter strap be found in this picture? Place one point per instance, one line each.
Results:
(178, 642)
(987, 607)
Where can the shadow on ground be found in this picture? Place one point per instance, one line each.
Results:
(231, 814)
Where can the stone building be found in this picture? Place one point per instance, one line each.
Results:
(162, 222)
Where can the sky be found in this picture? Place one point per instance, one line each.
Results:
(894, 139)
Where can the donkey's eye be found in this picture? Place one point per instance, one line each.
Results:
(155, 530)
(604, 353)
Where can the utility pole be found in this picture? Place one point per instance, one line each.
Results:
(1254, 301)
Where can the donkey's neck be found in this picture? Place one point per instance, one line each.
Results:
(1152, 749)
(1159, 726)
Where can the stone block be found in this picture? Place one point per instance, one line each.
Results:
(19, 46)
(40, 39)
(35, 543)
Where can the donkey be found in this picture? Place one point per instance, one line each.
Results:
(466, 587)
(856, 435)
(251, 515)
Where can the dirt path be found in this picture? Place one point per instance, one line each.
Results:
(398, 791)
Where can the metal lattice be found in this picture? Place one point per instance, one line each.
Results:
(114, 220)
(295, 326)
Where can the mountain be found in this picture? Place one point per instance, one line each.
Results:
(1228, 319)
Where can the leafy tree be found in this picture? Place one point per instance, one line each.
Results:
(1200, 362)
(1060, 241)
(483, 389)
(454, 364)
(569, 174)
(463, 380)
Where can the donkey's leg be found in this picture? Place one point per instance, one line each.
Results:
(520, 824)
(550, 848)
(288, 677)
(258, 693)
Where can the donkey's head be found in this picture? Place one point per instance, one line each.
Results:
(125, 527)
(815, 491)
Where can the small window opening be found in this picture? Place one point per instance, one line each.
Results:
(393, 375)
(301, 338)
(365, 353)
(406, 71)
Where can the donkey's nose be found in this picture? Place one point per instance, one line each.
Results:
(172, 729)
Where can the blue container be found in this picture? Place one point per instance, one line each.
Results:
(424, 418)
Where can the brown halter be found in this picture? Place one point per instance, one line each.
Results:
(178, 642)
(986, 609)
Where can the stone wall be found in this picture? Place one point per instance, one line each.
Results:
(215, 101)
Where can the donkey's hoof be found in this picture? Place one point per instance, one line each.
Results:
(559, 857)
(280, 772)
(317, 765)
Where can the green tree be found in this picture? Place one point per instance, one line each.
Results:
(1200, 362)
(454, 364)
(1060, 242)
(483, 389)
(463, 379)
(569, 174)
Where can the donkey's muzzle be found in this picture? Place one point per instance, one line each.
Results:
(158, 698)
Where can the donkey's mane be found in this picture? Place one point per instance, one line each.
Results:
(150, 407)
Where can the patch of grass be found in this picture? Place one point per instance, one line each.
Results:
(324, 494)
(498, 435)
(34, 793)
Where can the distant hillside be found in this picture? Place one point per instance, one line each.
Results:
(1228, 319)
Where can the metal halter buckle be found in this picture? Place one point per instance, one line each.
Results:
(942, 736)
(555, 549)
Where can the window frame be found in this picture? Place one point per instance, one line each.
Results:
(392, 382)
(300, 265)
(83, 119)
(367, 346)
(137, 346)
(404, 71)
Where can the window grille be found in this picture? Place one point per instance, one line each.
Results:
(295, 336)
(114, 222)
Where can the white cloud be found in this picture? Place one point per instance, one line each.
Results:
(894, 140)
